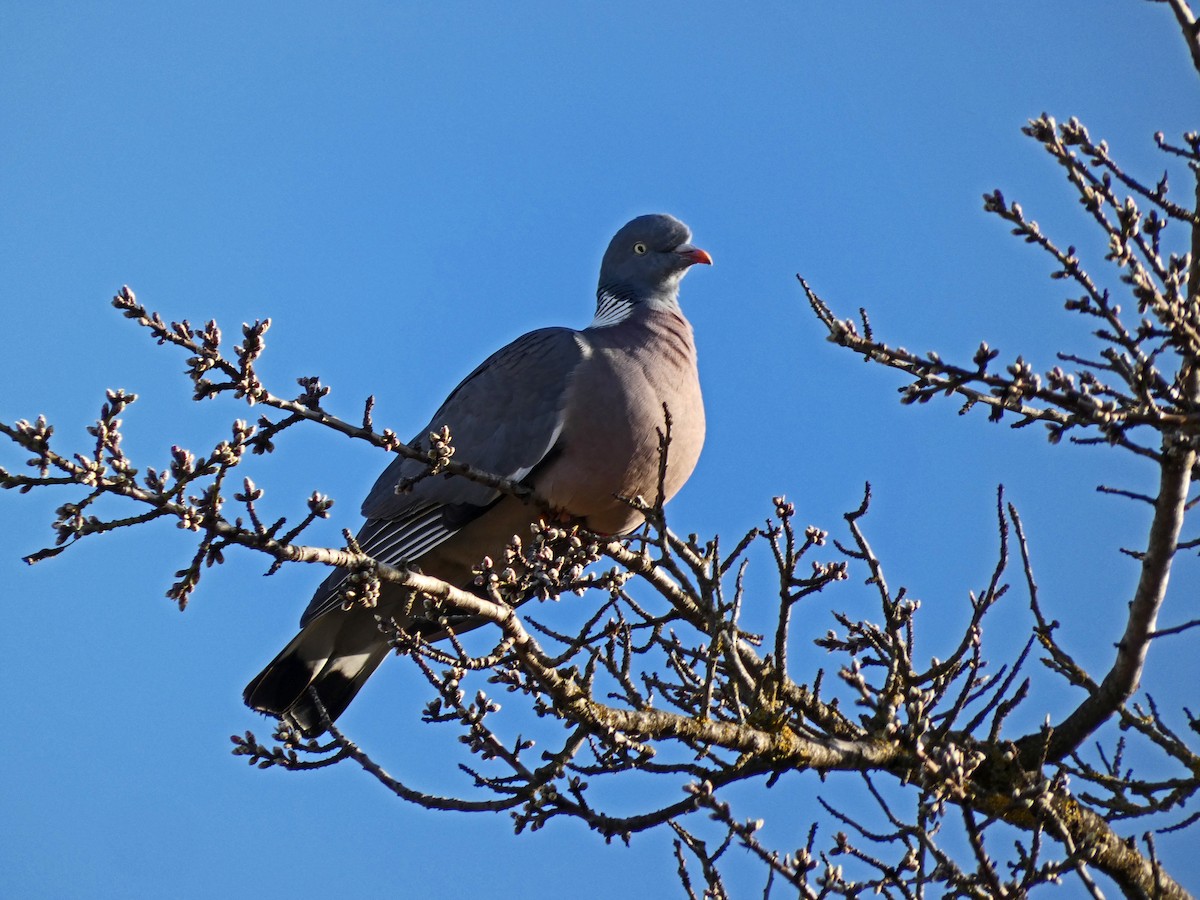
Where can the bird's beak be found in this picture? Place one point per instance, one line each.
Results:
(693, 255)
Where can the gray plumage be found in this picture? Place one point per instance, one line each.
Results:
(573, 414)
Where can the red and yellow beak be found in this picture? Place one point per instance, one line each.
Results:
(693, 255)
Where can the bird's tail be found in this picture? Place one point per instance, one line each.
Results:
(333, 655)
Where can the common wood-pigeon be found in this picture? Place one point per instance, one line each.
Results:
(575, 415)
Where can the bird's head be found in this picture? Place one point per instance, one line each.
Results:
(647, 258)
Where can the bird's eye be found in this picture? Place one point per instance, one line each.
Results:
(639, 248)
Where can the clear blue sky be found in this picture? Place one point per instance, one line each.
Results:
(404, 187)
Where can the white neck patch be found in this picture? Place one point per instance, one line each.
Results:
(611, 310)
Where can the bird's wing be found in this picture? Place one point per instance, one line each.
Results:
(504, 418)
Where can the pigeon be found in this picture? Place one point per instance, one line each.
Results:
(573, 414)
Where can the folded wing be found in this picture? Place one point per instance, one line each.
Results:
(505, 418)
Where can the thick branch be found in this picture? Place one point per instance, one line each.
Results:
(1189, 26)
(1122, 679)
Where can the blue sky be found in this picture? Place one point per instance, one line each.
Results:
(404, 188)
